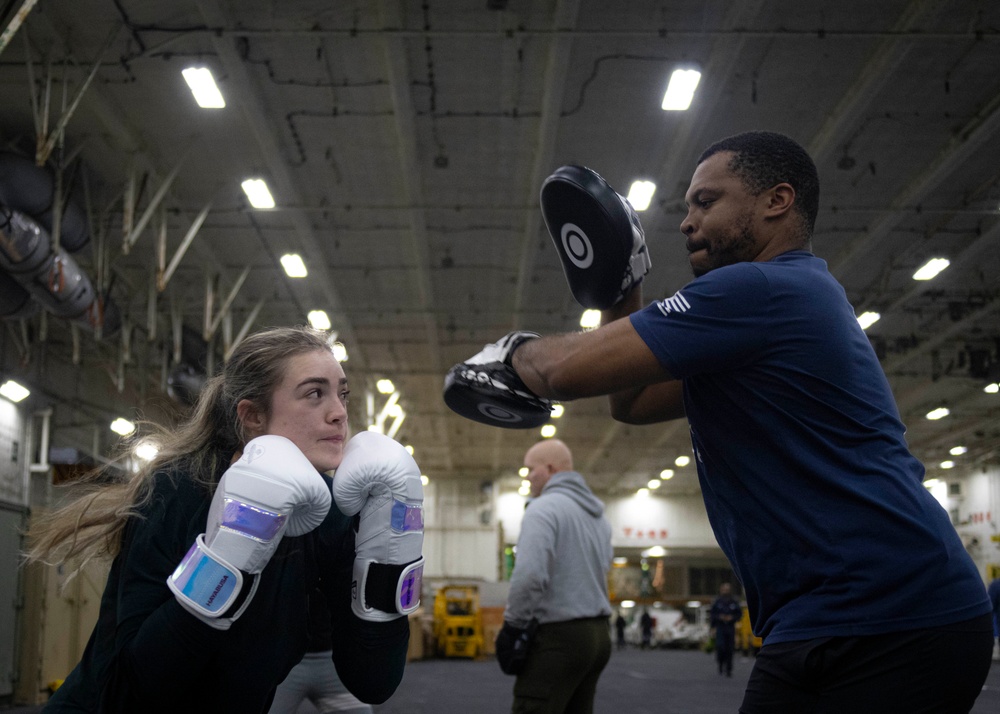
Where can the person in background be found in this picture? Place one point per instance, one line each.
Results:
(620, 625)
(560, 582)
(724, 615)
(646, 623)
(217, 543)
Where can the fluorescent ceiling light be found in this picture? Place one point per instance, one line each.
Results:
(385, 386)
(203, 87)
(867, 319)
(939, 413)
(548, 431)
(409, 449)
(653, 483)
(627, 603)
(931, 268)
(958, 450)
(557, 410)
(424, 480)
(640, 193)
(319, 320)
(293, 265)
(258, 193)
(931, 482)
(680, 90)
(657, 551)
(682, 461)
(13, 391)
(667, 474)
(992, 388)
(525, 483)
(523, 471)
(339, 352)
(642, 492)
(590, 319)
(949, 464)
(620, 560)
(122, 426)
(523, 491)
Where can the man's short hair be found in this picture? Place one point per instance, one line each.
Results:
(763, 159)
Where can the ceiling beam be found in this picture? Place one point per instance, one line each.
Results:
(671, 162)
(877, 70)
(966, 261)
(977, 132)
(248, 98)
(409, 173)
(553, 90)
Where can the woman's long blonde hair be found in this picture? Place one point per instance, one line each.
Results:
(93, 524)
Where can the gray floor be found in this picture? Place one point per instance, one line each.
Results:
(635, 681)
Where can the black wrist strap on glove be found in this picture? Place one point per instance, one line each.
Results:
(382, 587)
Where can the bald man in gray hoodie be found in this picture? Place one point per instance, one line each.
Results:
(560, 580)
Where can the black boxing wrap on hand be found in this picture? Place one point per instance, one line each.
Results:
(513, 644)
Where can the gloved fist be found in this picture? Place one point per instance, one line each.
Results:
(379, 481)
(597, 235)
(485, 388)
(271, 491)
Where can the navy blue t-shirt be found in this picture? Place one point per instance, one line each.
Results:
(810, 488)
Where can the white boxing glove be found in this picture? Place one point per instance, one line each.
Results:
(272, 490)
(379, 480)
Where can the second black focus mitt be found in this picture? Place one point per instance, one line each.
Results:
(485, 388)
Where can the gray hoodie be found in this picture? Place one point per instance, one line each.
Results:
(563, 556)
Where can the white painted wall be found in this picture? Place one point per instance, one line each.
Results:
(670, 521)
(461, 534)
(636, 521)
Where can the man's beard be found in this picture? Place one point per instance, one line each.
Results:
(738, 246)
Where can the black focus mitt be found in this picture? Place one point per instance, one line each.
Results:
(597, 235)
(485, 388)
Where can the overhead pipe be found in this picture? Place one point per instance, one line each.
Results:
(31, 190)
(51, 275)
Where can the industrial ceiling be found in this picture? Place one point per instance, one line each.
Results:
(405, 144)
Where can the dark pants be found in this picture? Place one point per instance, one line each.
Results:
(938, 670)
(725, 643)
(563, 666)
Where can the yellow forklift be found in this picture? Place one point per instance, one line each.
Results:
(746, 641)
(458, 623)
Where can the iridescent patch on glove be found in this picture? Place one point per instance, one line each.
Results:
(407, 517)
(251, 521)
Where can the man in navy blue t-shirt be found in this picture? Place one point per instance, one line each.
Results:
(853, 574)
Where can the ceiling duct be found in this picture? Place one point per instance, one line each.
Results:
(31, 190)
(34, 267)
(50, 275)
